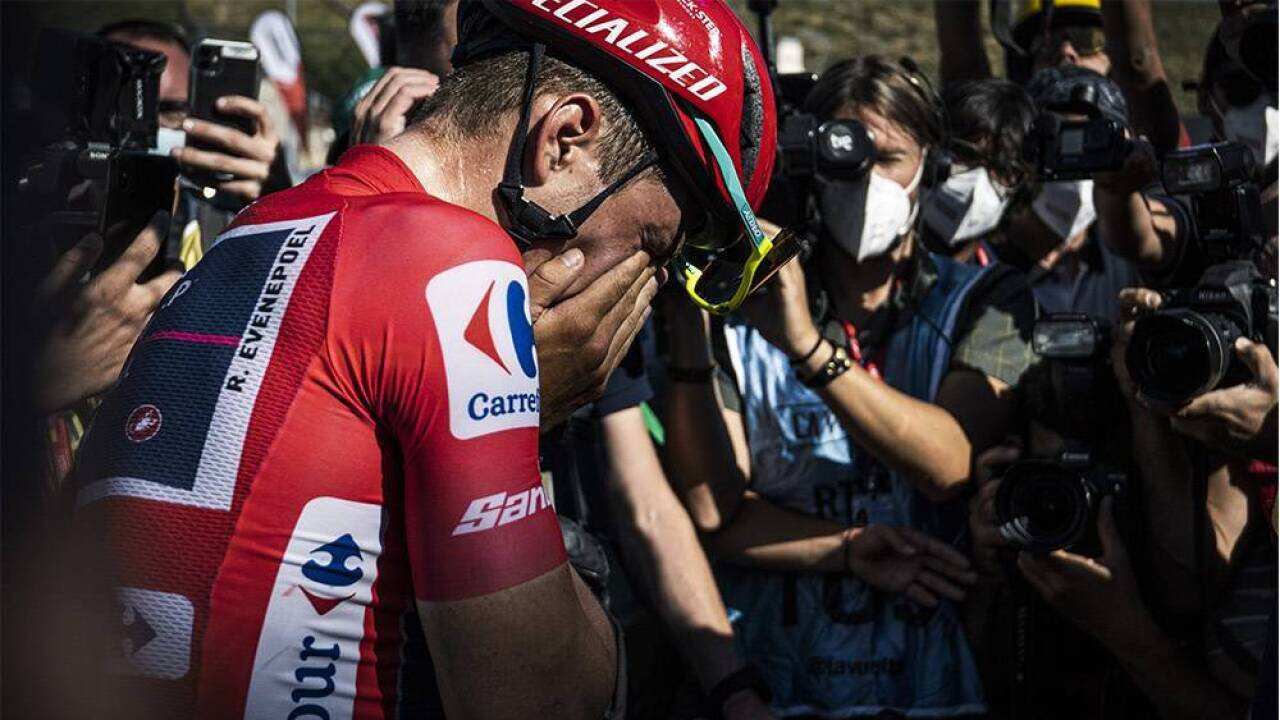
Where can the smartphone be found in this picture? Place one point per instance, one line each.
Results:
(220, 68)
(138, 185)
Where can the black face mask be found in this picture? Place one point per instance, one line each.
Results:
(527, 220)
(842, 207)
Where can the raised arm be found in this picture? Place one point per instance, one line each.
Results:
(1137, 68)
(959, 26)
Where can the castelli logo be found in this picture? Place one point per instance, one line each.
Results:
(657, 54)
(143, 423)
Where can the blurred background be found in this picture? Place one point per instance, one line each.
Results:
(812, 34)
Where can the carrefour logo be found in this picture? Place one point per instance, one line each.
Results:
(481, 313)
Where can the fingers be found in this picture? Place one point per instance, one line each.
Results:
(1036, 574)
(123, 273)
(248, 190)
(904, 541)
(920, 595)
(1257, 357)
(625, 309)
(608, 290)
(550, 278)
(626, 334)
(1135, 302)
(249, 108)
(952, 572)
(391, 120)
(380, 113)
(194, 158)
(935, 547)
(71, 265)
(422, 82)
(939, 585)
(144, 298)
(228, 138)
(994, 457)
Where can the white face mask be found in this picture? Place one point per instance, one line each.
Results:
(1066, 207)
(866, 218)
(1254, 126)
(967, 206)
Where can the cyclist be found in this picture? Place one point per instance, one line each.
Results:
(317, 480)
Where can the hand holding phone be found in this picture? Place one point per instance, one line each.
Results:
(230, 142)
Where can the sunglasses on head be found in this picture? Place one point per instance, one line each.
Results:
(720, 280)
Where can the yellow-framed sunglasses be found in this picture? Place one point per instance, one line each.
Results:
(724, 279)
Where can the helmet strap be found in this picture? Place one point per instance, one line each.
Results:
(529, 221)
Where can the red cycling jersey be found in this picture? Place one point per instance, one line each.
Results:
(334, 412)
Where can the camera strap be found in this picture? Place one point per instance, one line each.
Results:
(527, 220)
(1021, 685)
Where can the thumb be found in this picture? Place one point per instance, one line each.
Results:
(551, 278)
(1112, 545)
(1256, 356)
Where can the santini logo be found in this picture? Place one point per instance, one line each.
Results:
(492, 511)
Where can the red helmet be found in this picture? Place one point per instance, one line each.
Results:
(670, 61)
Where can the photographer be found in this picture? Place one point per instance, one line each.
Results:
(987, 121)
(253, 162)
(1060, 238)
(823, 474)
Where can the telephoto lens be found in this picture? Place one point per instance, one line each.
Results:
(1180, 353)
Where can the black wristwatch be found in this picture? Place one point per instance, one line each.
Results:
(744, 678)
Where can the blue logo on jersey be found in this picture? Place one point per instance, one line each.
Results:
(335, 572)
(521, 330)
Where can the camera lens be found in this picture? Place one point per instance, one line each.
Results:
(1177, 354)
(1042, 506)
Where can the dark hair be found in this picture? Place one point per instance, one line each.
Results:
(137, 28)
(883, 85)
(987, 121)
(474, 98)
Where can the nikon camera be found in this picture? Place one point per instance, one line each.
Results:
(1050, 504)
(1185, 349)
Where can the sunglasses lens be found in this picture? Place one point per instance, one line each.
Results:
(723, 273)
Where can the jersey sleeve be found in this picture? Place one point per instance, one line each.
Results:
(430, 334)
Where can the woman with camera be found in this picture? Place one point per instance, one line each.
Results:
(825, 472)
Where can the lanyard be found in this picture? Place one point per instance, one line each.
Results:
(871, 365)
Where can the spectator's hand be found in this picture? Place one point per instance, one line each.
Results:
(383, 111)
(780, 311)
(1101, 596)
(247, 158)
(899, 559)
(1134, 303)
(583, 337)
(987, 540)
(1234, 420)
(90, 328)
(1139, 170)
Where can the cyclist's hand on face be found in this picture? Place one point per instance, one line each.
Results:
(247, 158)
(902, 560)
(383, 112)
(581, 338)
(89, 328)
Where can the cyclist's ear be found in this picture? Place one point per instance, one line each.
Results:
(563, 143)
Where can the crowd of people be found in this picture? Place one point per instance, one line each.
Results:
(581, 385)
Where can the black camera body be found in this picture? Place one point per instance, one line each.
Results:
(1185, 348)
(1049, 504)
(93, 170)
(1226, 201)
(1062, 149)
